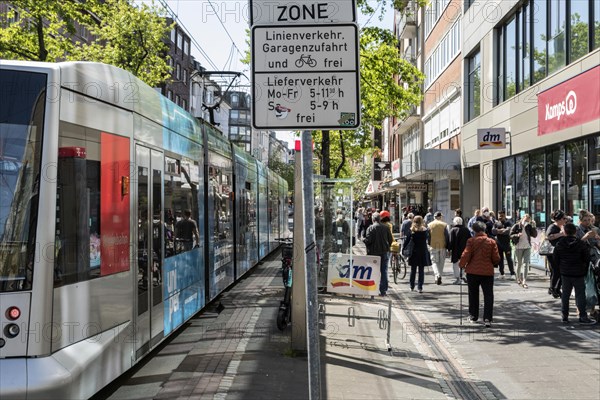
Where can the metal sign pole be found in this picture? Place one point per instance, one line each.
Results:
(312, 305)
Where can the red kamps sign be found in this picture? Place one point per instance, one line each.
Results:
(571, 103)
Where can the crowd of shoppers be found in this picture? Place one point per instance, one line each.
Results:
(488, 242)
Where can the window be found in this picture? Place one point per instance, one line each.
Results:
(522, 184)
(174, 35)
(510, 59)
(525, 51)
(538, 27)
(180, 41)
(538, 188)
(94, 242)
(474, 86)
(185, 76)
(557, 38)
(170, 95)
(596, 25)
(184, 104)
(178, 72)
(443, 54)
(579, 44)
(576, 167)
(177, 100)
(235, 99)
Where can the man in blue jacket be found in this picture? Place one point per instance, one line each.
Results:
(573, 257)
(378, 240)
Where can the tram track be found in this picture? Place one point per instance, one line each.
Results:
(456, 380)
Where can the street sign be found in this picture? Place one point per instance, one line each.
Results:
(286, 12)
(305, 77)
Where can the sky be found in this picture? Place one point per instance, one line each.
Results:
(218, 28)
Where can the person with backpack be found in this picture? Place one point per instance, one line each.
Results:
(520, 236)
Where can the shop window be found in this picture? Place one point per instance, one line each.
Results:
(521, 187)
(507, 178)
(576, 168)
(537, 190)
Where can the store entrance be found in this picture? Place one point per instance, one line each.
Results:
(594, 187)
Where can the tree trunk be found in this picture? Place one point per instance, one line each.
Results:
(325, 161)
(343, 152)
(43, 52)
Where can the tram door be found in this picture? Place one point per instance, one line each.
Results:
(149, 179)
(594, 187)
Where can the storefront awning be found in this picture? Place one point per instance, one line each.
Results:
(428, 164)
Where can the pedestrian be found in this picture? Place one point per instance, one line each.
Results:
(367, 222)
(502, 231)
(459, 234)
(360, 219)
(573, 258)
(405, 228)
(186, 231)
(553, 233)
(420, 257)
(478, 260)
(386, 220)
(473, 219)
(429, 216)
(378, 240)
(520, 235)
(438, 240)
(341, 233)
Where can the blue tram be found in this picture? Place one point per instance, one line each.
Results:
(121, 216)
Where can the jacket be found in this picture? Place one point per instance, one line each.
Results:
(480, 255)
(438, 234)
(378, 239)
(572, 255)
(517, 228)
(459, 235)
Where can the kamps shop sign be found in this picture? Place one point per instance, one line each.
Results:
(571, 103)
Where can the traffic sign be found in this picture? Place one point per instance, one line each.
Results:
(305, 77)
(286, 12)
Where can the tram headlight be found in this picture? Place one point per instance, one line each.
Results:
(11, 330)
(13, 313)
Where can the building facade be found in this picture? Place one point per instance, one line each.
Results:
(532, 69)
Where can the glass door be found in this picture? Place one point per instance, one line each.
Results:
(149, 321)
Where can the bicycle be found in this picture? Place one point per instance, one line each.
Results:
(398, 263)
(306, 59)
(284, 315)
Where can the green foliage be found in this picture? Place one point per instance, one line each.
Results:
(125, 36)
(286, 171)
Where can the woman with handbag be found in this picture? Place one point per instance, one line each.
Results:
(520, 235)
(478, 260)
(553, 234)
(419, 257)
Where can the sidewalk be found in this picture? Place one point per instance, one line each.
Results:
(238, 353)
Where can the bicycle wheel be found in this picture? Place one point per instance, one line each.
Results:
(402, 266)
(394, 265)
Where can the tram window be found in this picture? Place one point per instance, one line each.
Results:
(181, 194)
(92, 210)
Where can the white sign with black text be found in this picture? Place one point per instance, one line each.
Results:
(305, 77)
(286, 12)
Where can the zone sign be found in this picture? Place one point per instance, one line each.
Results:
(285, 12)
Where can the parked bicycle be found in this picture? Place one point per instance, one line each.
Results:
(398, 263)
(284, 315)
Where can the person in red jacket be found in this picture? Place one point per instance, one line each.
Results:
(478, 260)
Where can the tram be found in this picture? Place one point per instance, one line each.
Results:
(100, 178)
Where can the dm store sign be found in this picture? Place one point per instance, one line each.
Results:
(360, 275)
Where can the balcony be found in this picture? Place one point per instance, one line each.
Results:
(412, 117)
(409, 55)
(407, 22)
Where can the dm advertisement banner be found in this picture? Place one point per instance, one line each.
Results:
(361, 276)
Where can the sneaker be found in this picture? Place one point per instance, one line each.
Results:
(565, 319)
(412, 289)
(420, 290)
(502, 276)
(464, 279)
(586, 321)
(513, 277)
(438, 280)
(487, 323)
(472, 319)
(456, 282)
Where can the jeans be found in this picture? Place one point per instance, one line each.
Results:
(413, 274)
(487, 286)
(509, 261)
(568, 283)
(383, 284)
(456, 270)
(523, 256)
(438, 258)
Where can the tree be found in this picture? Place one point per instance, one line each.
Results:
(123, 35)
(286, 171)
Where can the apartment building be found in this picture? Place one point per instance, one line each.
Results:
(532, 71)
(424, 147)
